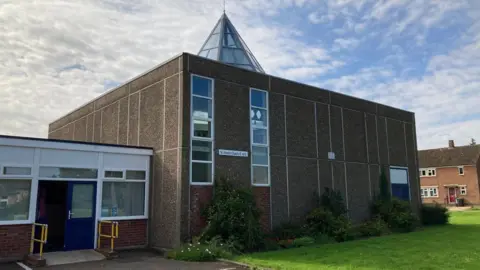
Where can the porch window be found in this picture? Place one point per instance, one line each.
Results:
(14, 199)
(120, 199)
(77, 173)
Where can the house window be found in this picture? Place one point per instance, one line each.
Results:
(259, 139)
(463, 190)
(429, 192)
(114, 174)
(461, 171)
(429, 172)
(201, 144)
(14, 199)
(399, 183)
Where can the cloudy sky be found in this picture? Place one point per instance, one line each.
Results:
(422, 56)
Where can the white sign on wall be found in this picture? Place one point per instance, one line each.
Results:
(232, 153)
(331, 155)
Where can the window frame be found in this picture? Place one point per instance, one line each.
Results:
(428, 188)
(461, 168)
(31, 197)
(463, 189)
(408, 179)
(145, 200)
(5, 165)
(262, 145)
(426, 170)
(40, 177)
(210, 139)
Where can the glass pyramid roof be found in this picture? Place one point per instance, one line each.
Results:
(224, 44)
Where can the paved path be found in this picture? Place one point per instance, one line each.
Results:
(143, 260)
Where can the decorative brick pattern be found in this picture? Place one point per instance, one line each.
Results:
(14, 241)
(200, 196)
(262, 198)
(131, 233)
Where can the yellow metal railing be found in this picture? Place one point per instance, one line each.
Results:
(113, 233)
(42, 240)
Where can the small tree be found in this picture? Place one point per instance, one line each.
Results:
(473, 142)
(384, 187)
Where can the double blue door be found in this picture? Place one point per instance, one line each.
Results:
(80, 222)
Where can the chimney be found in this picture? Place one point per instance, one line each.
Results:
(451, 144)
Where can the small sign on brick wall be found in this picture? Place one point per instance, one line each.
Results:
(232, 153)
(331, 155)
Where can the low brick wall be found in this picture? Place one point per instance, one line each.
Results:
(262, 198)
(131, 233)
(200, 197)
(14, 241)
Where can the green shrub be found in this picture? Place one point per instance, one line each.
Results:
(323, 221)
(332, 200)
(303, 242)
(288, 231)
(434, 215)
(271, 245)
(200, 252)
(321, 238)
(233, 215)
(396, 213)
(373, 227)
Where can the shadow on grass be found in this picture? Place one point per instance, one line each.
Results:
(441, 247)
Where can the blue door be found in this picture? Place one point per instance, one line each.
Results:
(80, 223)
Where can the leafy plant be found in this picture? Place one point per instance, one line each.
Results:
(396, 213)
(332, 200)
(373, 227)
(384, 187)
(323, 221)
(200, 252)
(233, 215)
(288, 231)
(434, 215)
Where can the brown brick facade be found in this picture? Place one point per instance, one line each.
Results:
(262, 198)
(131, 233)
(450, 176)
(14, 241)
(200, 197)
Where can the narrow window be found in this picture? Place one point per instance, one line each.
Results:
(463, 190)
(13, 170)
(201, 144)
(399, 183)
(259, 137)
(460, 171)
(114, 174)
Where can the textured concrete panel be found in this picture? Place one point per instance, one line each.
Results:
(394, 113)
(111, 97)
(301, 128)
(278, 180)
(151, 116)
(339, 178)
(66, 132)
(55, 134)
(410, 140)
(186, 109)
(109, 123)
(382, 140)
(323, 130)
(133, 116)
(277, 124)
(262, 199)
(325, 175)
(185, 196)
(358, 186)
(371, 122)
(200, 197)
(123, 122)
(354, 103)
(172, 96)
(80, 133)
(296, 89)
(156, 229)
(205, 67)
(90, 127)
(375, 180)
(355, 139)
(75, 115)
(171, 232)
(396, 143)
(232, 114)
(303, 185)
(414, 184)
(337, 132)
(97, 124)
(156, 75)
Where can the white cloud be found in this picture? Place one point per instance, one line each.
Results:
(345, 44)
(56, 55)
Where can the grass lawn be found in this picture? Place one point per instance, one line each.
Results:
(455, 246)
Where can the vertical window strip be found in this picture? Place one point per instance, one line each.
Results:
(201, 126)
(259, 137)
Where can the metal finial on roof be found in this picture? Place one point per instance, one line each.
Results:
(224, 44)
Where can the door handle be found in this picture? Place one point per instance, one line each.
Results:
(70, 214)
